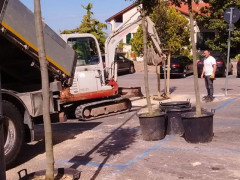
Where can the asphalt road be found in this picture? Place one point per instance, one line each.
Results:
(179, 85)
(112, 147)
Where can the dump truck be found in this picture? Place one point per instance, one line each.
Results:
(21, 76)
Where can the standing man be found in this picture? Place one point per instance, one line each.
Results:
(209, 69)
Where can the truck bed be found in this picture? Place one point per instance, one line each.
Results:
(19, 62)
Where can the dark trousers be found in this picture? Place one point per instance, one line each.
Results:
(209, 86)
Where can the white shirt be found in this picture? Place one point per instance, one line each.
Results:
(208, 65)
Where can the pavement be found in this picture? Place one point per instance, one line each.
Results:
(113, 148)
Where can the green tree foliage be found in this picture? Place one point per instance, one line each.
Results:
(196, 86)
(148, 5)
(90, 25)
(172, 29)
(137, 42)
(212, 18)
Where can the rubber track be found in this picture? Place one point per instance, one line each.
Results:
(80, 109)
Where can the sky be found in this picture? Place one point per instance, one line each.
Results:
(68, 14)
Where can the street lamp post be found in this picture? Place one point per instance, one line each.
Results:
(229, 46)
(231, 16)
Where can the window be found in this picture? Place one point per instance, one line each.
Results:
(86, 48)
(202, 37)
(128, 38)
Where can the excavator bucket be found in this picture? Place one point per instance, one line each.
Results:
(130, 91)
(153, 58)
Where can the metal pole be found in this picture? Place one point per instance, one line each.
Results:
(158, 72)
(165, 78)
(168, 74)
(2, 157)
(229, 46)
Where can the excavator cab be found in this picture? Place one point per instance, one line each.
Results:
(89, 74)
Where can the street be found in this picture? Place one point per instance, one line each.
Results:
(184, 86)
(112, 147)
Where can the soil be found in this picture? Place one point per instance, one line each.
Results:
(64, 177)
(155, 113)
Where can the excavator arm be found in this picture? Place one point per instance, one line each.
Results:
(116, 36)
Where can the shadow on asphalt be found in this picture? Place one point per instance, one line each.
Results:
(123, 73)
(223, 89)
(61, 132)
(119, 140)
(172, 76)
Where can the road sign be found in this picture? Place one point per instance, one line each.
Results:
(231, 11)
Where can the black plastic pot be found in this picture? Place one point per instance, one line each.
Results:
(152, 127)
(60, 172)
(174, 120)
(174, 104)
(198, 129)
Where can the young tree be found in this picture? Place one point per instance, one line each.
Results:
(196, 86)
(147, 8)
(211, 17)
(45, 91)
(172, 29)
(90, 25)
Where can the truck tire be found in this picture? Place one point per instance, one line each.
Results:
(131, 69)
(13, 132)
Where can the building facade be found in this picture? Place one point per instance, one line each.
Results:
(200, 34)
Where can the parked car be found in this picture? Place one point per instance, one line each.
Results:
(221, 61)
(124, 64)
(180, 66)
(238, 68)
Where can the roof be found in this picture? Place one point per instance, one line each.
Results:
(183, 9)
(118, 16)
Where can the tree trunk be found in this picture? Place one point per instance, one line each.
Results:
(45, 91)
(195, 73)
(145, 63)
(158, 73)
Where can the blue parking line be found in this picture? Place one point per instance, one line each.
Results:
(225, 104)
(139, 157)
(119, 167)
(225, 123)
(133, 129)
(216, 151)
(157, 147)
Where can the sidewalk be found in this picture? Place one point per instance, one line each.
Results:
(155, 100)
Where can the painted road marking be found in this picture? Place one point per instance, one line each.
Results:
(158, 146)
(225, 104)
